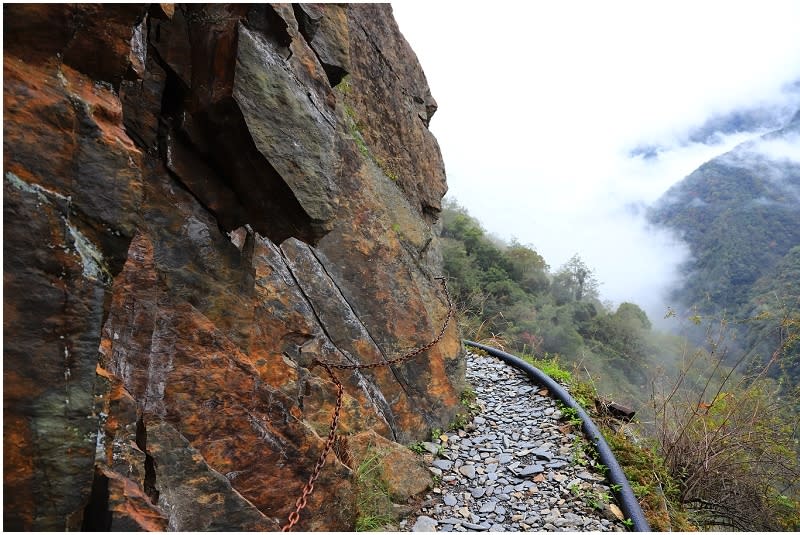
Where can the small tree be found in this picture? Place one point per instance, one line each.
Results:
(528, 268)
(574, 281)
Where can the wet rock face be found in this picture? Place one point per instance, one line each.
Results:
(199, 202)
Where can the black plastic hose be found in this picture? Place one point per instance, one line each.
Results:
(628, 502)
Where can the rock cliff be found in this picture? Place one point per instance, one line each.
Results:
(198, 202)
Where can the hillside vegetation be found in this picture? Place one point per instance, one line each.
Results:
(508, 292)
(740, 215)
(718, 443)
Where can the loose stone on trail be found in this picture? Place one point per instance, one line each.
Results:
(425, 523)
(515, 467)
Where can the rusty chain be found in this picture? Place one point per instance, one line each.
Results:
(300, 504)
(410, 354)
(302, 501)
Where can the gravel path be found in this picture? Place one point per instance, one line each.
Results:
(516, 467)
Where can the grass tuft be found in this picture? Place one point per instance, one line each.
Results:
(549, 365)
(373, 504)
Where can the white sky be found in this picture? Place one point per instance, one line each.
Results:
(541, 102)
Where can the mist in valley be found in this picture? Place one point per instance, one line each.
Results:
(564, 138)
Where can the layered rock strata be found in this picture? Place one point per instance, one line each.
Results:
(198, 202)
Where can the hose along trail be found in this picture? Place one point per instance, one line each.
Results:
(517, 466)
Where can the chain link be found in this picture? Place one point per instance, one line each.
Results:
(411, 354)
(302, 501)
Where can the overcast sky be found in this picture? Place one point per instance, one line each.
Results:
(541, 104)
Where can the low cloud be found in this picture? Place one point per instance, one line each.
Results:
(604, 219)
(558, 132)
(775, 157)
(784, 149)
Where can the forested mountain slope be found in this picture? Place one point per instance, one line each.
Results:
(508, 292)
(705, 427)
(740, 215)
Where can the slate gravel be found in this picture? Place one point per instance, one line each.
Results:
(515, 467)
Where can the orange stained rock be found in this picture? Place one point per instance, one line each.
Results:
(205, 389)
(104, 107)
(128, 502)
